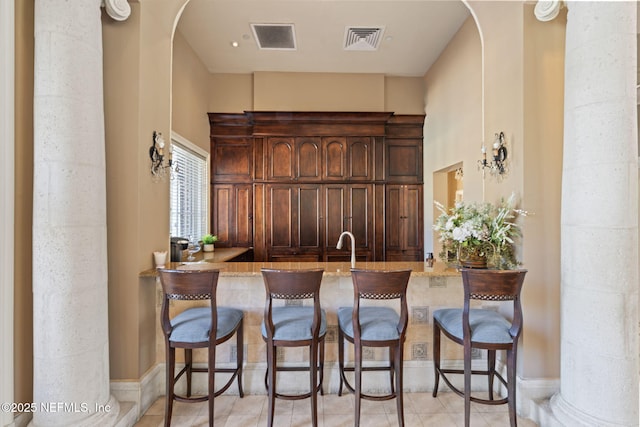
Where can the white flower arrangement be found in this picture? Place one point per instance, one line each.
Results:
(482, 229)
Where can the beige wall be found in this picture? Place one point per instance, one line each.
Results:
(23, 300)
(190, 94)
(543, 136)
(523, 85)
(137, 64)
(235, 93)
(318, 92)
(453, 125)
(404, 95)
(230, 93)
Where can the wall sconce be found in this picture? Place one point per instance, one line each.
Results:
(459, 174)
(156, 153)
(497, 165)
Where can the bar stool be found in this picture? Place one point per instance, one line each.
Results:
(375, 326)
(294, 326)
(482, 328)
(197, 327)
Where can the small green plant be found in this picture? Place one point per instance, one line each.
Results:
(209, 239)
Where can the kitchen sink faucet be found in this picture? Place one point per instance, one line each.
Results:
(353, 246)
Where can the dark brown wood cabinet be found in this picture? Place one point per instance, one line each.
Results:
(403, 149)
(404, 230)
(348, 207)
(293, 223)
(232, 214)
(289, 183)
(347, 158)
(293, 159)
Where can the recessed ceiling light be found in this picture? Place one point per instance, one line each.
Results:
(234, 44)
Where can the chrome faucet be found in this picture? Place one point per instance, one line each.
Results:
(353, 246)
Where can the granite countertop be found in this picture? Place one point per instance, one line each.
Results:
(244, 269)
(220, 255)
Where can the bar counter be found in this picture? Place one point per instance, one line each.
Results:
(240, 285)
(220, 257)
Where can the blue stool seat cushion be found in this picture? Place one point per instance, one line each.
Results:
(487, 326)
(376, 323)
(293, 323)
(193, 325)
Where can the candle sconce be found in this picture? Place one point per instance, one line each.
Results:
(497, 165)
(157, 155)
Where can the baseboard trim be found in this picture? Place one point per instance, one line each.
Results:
(142, 393)
(418, 378)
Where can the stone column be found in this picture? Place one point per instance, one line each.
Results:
(599, 331)
(71, 341)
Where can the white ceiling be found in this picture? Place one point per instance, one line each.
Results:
(416, 32)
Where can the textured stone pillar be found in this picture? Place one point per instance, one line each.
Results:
(71, 347)
(599, 344)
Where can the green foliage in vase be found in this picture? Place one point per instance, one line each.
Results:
(481, 229)
(209, 239)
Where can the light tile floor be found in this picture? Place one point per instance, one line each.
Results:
(420, 410)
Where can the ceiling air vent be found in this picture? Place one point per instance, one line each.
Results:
(362, 38)
(274, 36)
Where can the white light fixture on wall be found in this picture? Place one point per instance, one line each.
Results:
(497, 164)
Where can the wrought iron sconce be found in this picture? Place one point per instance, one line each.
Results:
(157, 156)
(497, 165)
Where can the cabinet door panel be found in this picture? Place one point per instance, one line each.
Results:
(334, 151)
(309, 209)
(279, 208)
(393, 221)
(412, 218)
(231, 160)
(360, 159)
(404, 161)
(404, 223)
(243, 196)
(280, 158)
(308, 156)
(335, 213)
(222, 213)
(361, 215)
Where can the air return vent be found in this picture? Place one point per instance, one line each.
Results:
(362, 38)
(274, 36)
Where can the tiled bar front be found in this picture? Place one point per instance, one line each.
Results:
(240, 285)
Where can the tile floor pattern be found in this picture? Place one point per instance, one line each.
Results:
(420, 410)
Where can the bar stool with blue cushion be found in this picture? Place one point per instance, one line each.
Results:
(375, 326)
(294, 326)
(197, 327)
(482, 328)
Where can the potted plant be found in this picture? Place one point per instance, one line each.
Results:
(208, 241)
(477, 235)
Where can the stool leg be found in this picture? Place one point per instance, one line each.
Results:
(467, 384)
(188, 358)
(340, 359)
(211, 373)
(398, 355)
(313, 382)
(436, 358)
(511, 385)
(358, 379)
(321, 366)
(240, 355)
(392, 368)
(170, 379)
(491, 368)
(271, 372)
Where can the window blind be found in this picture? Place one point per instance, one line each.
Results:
(188, 193)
